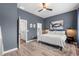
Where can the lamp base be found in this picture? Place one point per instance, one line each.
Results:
(70, 40)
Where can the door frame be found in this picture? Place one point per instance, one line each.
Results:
(18, 37)
(2, 50)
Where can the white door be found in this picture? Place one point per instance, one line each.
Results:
(39, 31)
(1, 42)
(23, 29)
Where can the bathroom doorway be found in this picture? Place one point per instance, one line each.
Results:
(22, 32)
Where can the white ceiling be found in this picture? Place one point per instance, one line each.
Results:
(58, 8)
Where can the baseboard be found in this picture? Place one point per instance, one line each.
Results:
(14, 49)
(29, 41)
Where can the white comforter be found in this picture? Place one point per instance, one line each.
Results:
(54, 39)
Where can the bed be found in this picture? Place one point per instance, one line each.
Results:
(54, 37)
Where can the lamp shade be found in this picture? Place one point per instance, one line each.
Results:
(71, 32)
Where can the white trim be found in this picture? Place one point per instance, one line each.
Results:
(29, 41)
(1, 42)
(14, 49)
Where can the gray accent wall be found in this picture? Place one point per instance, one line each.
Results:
(30, 19)
(8, 23)
(70, 19)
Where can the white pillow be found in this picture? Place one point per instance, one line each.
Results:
(51, 32)
(60, 32)
(57, 32)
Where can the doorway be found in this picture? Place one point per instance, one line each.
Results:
(22, 32)
(1, 42)
(39, 31)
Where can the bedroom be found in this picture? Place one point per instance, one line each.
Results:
(44, 32)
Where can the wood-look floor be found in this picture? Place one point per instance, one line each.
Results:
(40, 49)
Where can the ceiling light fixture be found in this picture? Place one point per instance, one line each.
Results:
(44, 9)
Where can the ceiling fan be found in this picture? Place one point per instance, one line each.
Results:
(44, 8)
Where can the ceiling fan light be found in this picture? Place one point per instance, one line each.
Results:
(44, 9)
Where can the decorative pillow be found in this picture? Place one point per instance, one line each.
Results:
(51, 32)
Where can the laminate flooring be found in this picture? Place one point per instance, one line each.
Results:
(35, 48)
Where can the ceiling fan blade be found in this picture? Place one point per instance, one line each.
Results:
(40, 10)
(49, 9)
(45, 8)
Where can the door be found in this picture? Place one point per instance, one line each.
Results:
(39, 31)
(1, 42)
(22, 30)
